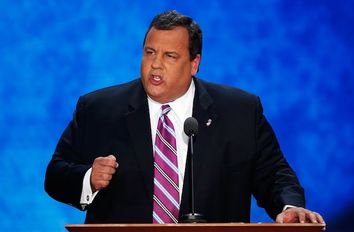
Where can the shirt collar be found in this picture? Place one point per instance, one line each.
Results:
(178, 106)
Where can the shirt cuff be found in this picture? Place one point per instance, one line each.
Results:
(86, 194)
(288, 206)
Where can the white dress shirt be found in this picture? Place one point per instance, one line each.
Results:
(181, 109)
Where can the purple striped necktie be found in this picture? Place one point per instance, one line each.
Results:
(166, 190)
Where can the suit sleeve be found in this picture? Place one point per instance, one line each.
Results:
(275, 184)
(66, 169)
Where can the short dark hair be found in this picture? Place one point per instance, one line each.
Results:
(171, 19)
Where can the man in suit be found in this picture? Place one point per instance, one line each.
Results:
(106, 161)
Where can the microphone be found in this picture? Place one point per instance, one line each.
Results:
(191, 127)
(191, 130)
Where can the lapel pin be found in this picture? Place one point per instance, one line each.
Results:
(209, 122)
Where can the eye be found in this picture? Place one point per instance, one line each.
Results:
(171, 56)
(149, 51)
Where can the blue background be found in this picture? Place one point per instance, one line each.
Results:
(296, 55)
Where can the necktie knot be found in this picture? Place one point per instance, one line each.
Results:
(165, 109)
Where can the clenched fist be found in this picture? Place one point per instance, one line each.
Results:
(103, 169)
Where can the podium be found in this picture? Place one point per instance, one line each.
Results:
(203, 227)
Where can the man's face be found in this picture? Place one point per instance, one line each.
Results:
(166, 69)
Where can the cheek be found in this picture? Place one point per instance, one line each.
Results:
(144, 65)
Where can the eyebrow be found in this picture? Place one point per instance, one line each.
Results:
(149, 48)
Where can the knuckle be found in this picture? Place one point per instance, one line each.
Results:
(98, 159)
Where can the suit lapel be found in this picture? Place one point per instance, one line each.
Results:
(204, 113)
(139, 128)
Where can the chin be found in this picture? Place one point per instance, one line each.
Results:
(154, 92)
(154, 96)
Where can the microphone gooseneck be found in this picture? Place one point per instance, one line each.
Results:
(191, 130)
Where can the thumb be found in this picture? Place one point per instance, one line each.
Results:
(112, 157)
(280, 218)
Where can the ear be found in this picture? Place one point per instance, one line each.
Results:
(195, 65)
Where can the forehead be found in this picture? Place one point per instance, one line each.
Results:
(176, 38)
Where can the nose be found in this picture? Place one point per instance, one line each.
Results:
(156, 62)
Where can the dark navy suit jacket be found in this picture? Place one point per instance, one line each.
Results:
(235, 156)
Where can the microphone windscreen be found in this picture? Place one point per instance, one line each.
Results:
(191, 126)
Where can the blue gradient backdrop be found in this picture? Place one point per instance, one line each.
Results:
(296, 55)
